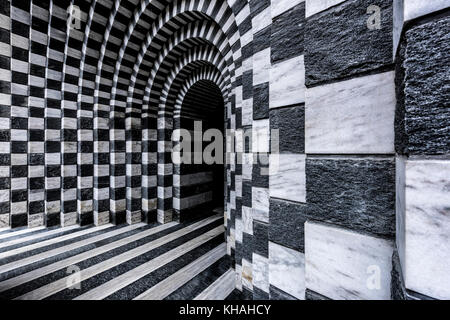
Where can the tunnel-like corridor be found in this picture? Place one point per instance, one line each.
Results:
(240, 149)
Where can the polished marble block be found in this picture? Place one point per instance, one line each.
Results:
(260, 204)
(287, 270)
(287, 178)
(344, 265)
(287, 83)
(260, 272)
(353, 116)
(261, 66)
(281, 6)
(426, 257)
(261, 136)
(316, 6)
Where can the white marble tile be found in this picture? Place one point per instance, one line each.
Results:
(427, 223)
(400, 163)
(262, 20)
(287, 178)
(261, 67)
(287, 270)
(260, 272)
(316, 6)
(247, 220)
(247, 112)
(341, 264)
(281, 6)
(353, 116)
(260, 204)
(287, 83)
(261, 136)
(239, 229)
(418, 8)
(247, 274)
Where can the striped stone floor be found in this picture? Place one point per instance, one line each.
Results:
(171, 261)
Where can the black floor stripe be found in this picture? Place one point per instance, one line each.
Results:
(67, 254)
(143, 284)
(55, 245)
(202, 281)
(112, 273)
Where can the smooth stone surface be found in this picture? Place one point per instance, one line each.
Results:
(353, 116)
(287, 220)
(287, 177)
(358, 194)
(287, 270)
(261, 136)
(260, 204)
(339, 44)
(427, 95)
(287, 83)
(280, 6)
(260, 272)
(342, 264)
(316, 6)
(261, 66)
(277, 294)
(427, 223)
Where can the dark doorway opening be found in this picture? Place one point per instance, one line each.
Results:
(201, 187)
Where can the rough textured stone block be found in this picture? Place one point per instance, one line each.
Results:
(287, 220)
(291, 125)
(358, 194)
(287, 34)
(339, 44)
(427, 91)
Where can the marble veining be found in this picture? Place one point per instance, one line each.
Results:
(287, 270)
(287, 83)
(280, 6)
(344, 265)
(260, 204)
(353, 116)
(316, 6)
(287, 177)
(261, 272)
(427, 223)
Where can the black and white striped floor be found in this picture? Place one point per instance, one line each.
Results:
(171, 261)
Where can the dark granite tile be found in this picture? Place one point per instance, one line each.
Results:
(339, 44)
(287, 36)
(426, 88)
(287, 224)
(291, 125)
(358, 194)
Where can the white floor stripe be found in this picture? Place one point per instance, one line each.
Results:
(36, 236)
(61, 284)
(184, 275)
(53, 252)
(221, 288)
(51, 241)
(131, 276)
(20, 232)
(34, 274)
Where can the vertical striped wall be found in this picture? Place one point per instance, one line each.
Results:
(337, 185)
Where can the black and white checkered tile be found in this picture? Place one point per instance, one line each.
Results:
(338, 111)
